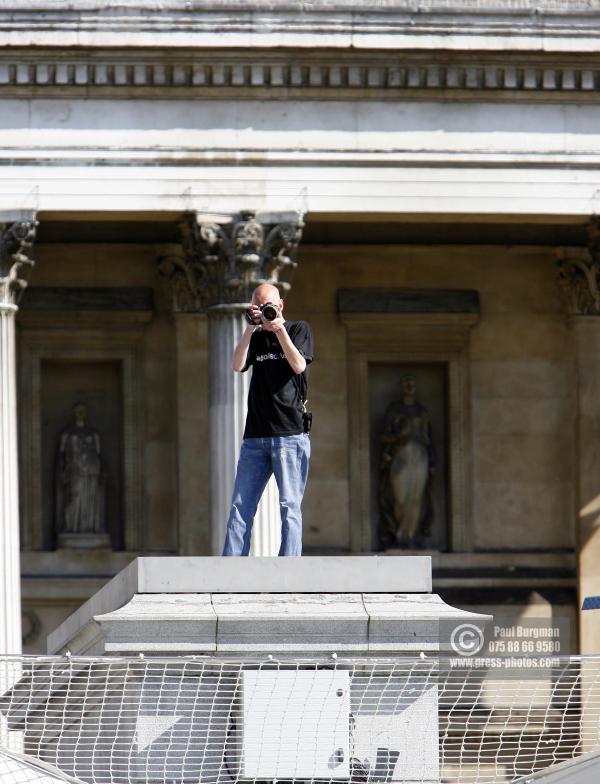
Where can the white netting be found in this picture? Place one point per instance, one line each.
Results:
(21, 769)
(217, 720)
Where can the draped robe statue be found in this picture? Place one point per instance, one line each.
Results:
(80, 496)
(406, 469)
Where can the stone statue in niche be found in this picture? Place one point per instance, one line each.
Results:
(80, 485)
(406, 470)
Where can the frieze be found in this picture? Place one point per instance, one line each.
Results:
(362, 75)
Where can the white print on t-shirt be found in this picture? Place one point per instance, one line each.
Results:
(270, 355)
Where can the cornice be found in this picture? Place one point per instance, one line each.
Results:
(319, 75)
(558, 25)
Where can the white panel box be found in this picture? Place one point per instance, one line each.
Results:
(295, 724)
(395, 729)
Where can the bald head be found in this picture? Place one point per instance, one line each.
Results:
(264, 293)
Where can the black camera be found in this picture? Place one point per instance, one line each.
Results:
(269, 312)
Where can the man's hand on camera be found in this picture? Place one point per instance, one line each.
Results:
(253, 315)
(275, 325)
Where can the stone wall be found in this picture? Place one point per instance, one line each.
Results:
(522, 393)
(522, 386)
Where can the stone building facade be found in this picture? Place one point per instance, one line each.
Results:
(422, 182)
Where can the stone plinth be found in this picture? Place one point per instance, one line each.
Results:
(269, 609)
(84, 541)
(175, 606)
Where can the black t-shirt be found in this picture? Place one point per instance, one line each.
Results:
(276, 392)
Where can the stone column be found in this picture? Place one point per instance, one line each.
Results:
(579, 278)
(228, 396)
(586, 333)
(224, 259)
(15, 239)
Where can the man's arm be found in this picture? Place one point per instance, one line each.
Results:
(240, 352)
(294, 357)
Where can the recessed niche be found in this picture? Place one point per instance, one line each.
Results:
(98, 386)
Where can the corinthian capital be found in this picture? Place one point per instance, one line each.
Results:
(579, 274)
(16, 240)
(223, 262)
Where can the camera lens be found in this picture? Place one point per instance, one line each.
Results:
(269, 312)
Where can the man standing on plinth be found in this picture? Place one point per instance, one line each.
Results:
(276, 437)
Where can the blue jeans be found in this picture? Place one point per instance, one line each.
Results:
(285, 456)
